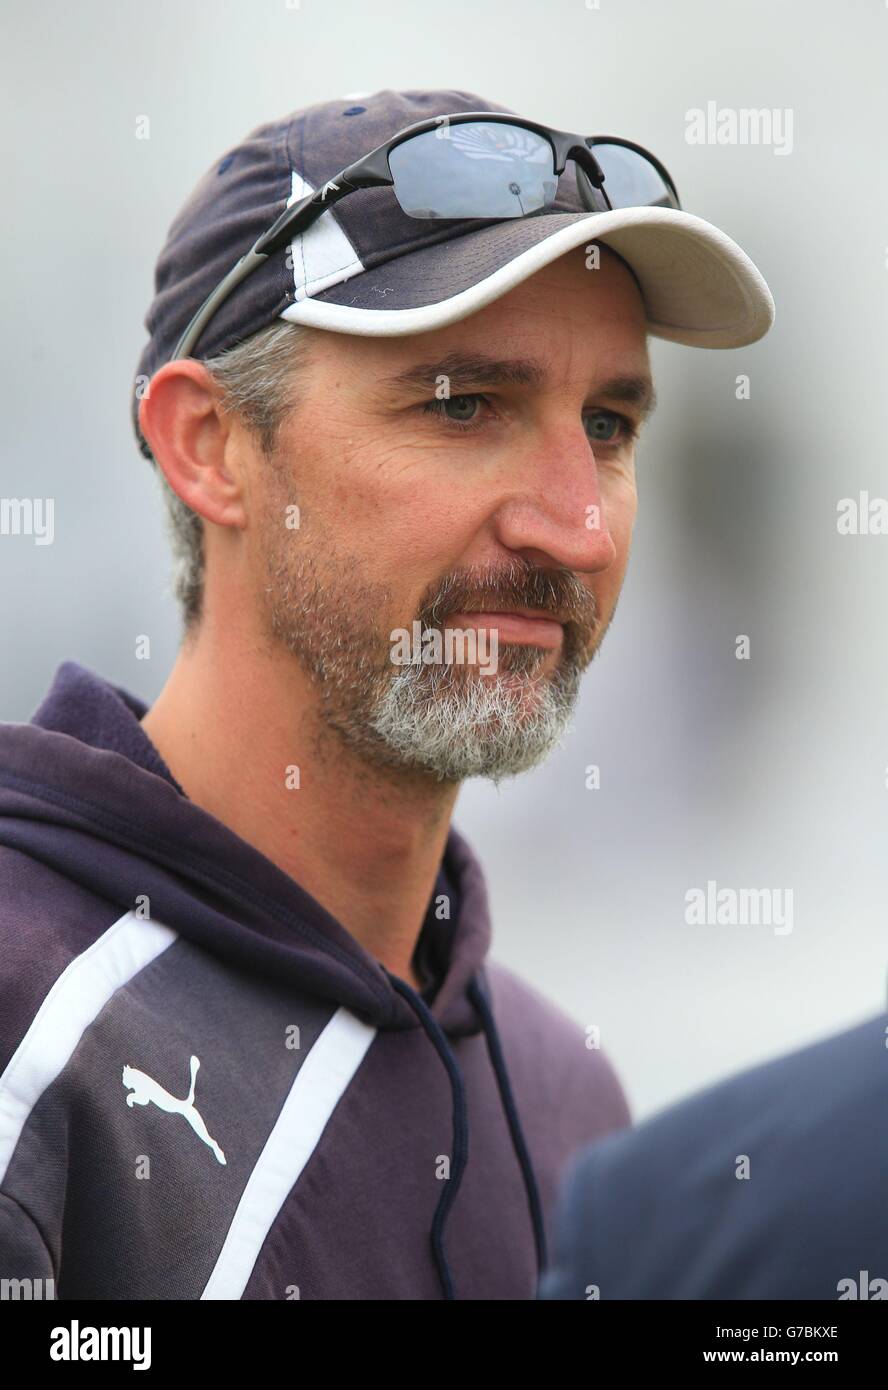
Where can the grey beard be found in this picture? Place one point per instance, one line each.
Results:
(449, 721)
(477, 727)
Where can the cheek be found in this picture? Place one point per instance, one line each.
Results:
(620, 501)
(384, 518)
(621, 508)
(411, 517)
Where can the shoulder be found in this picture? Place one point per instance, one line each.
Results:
(46, 922)
(547, 1049)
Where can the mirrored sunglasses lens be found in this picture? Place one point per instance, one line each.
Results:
(630, 180)
(474, 169)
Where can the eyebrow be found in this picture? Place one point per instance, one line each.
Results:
(467, 370)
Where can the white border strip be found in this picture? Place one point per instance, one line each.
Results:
(320, 1084)
(77, 997)
(323, 255)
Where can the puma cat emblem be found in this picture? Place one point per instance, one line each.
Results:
(144, 1090)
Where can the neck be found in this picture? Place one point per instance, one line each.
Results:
(239, 729)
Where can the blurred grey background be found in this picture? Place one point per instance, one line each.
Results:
(767, 773)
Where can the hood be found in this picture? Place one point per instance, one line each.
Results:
(83, 790)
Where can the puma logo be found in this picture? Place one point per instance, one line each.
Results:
(143, 1090)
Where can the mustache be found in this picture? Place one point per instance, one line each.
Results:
(517, 584)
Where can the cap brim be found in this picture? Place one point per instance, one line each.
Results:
(699, 288)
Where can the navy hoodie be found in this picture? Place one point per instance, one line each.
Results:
(209, 1089)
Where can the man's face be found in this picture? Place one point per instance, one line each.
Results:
(516, 492)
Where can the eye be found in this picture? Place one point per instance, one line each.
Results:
(606, 428)
(457, 410)
(609, 427)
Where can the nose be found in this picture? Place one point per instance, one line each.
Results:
(555, 511)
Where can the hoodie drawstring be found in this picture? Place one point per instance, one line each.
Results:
(460, 1153)
(494, 1047)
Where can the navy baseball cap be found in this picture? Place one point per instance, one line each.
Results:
(365, 267)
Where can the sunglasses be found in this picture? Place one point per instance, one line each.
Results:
(472, 164)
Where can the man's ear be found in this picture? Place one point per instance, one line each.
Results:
(189, 433)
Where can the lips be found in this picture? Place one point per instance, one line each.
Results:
(533, 627)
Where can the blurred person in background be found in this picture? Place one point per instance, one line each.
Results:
(770, 1185)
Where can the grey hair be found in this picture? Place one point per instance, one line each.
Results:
(255, 379)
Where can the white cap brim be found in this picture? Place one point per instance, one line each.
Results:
(698, 286)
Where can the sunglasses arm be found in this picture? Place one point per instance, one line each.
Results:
(293, 220)
(299, 216)
(244, 267)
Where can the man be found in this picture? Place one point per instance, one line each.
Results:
(770, 1185)
(254, 1045)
